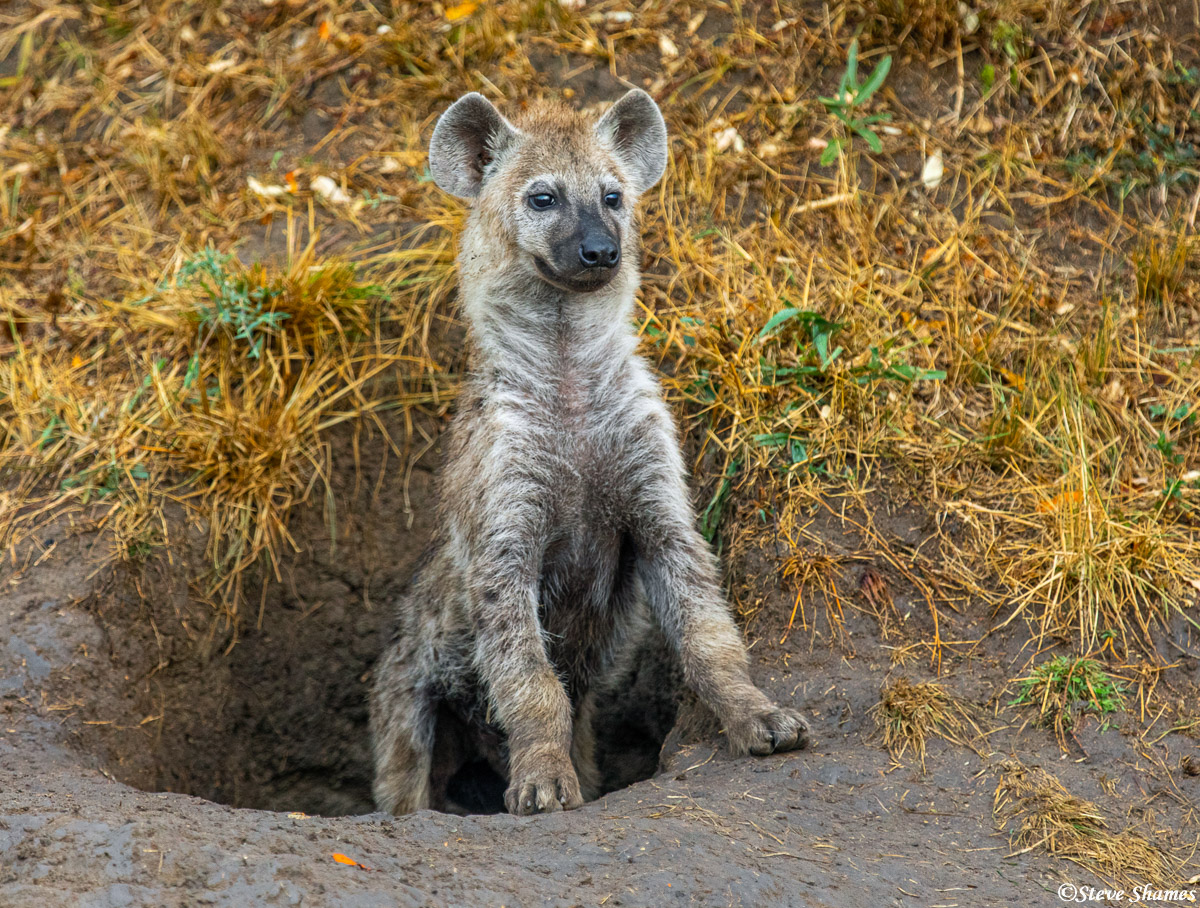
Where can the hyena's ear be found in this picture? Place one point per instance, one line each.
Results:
(468, 136)
(635, 127)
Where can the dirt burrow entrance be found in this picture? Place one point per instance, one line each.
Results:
(278, 721)
(275, 716)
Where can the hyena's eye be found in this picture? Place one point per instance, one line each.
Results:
(613, 200)
(540, 201)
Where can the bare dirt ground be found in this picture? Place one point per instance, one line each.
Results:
(159, 748)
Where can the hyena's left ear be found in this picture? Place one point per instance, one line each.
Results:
(635, 127)
(468, 136)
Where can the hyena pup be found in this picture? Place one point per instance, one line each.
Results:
(564, 519)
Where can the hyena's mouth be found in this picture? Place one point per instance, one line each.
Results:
(589, 280)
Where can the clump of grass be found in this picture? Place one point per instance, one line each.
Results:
(1037, 812)
(255, 309)
(1115, 553)
(908, 715)
(221, 395)
(811, 572)
(230, 301)
(1159, 265)
(1064, 687)
(178, 159)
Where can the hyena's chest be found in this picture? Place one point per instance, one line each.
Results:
(586, 593)
(587, 580)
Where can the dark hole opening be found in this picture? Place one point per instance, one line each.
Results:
(281, 723)
(476, 788)
(279, 720)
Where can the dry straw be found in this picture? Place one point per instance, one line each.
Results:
(1038, 813)
(1010, 347)
(908, 715)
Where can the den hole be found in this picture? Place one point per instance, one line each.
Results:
(279, 720)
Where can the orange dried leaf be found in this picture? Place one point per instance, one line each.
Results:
(349, 861)
(1012, 379)
(915, 324)
(1053, 504)
(460, 11)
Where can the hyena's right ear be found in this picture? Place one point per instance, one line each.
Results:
(468, 136)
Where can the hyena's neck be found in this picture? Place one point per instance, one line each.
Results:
(536, 335)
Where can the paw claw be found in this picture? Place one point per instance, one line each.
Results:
(768, 731)
(543, 789)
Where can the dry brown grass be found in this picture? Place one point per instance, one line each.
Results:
(1038, 813)
(1014, 350)
(215, 391)
(908, 715)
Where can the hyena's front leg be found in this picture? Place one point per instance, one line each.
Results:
(526, 697)
(679, 575)
(528, 701)
(680, 585)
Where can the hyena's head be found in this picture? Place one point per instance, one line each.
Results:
(554, 192)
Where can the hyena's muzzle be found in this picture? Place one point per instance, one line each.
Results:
(585, 253)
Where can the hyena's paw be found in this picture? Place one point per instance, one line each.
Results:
(768, 731)
(543, 786)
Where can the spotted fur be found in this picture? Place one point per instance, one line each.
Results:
(565, 519)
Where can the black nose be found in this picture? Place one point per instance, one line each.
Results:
(599, 251)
